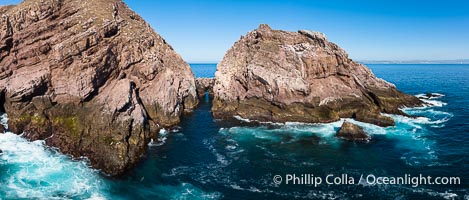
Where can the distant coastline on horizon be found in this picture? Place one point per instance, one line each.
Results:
(457, 61)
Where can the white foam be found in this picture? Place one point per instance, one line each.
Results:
(434, 102)
(176, 129)
(419, 120)
(250, 189)
(4, 120)
(257, 121)
(430, 101)
(230, 147)
(161, 140)
(369, 128)
(425, 111)
(38, 172)
(433, 96)
(241, 119)
(326, 130)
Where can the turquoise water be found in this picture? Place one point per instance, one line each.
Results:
(204, 158)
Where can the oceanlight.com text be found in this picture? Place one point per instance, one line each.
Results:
(370, 179)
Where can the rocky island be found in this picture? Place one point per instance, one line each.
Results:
(279, 76)
(91, 78)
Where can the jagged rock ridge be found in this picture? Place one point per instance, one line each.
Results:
(91, 78)
(273, 75)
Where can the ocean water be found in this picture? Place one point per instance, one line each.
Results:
(204, 70)
(204, 158)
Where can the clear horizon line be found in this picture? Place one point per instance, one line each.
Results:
(410, 61)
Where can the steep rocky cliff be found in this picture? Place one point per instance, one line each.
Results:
(273, 75)
(91, 78)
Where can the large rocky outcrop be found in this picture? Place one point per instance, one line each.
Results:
(273, 75)
(91, 78)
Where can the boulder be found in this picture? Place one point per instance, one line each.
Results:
(90, 77)
(204, 85)
(351, 131)
(279, 76)
(2, 129)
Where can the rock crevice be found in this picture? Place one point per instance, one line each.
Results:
(204, 85)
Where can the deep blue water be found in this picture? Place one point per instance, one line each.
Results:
(204, 70)
(208, 159)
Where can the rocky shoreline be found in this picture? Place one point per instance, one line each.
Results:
(93, 79)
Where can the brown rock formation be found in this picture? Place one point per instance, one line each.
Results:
(90, 77)
(351, 131)
(204, 85)
(273, 75)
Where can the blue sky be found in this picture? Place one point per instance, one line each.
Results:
(202, 31)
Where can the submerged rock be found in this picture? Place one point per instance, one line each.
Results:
(204, 85)
(431, 96)
(91, 78)
(351, 131)
(273, 75)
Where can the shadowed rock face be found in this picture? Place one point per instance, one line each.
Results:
(204, 85)
(273, 75)
(91, 78)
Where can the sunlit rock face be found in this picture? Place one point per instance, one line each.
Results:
(91, 78)
(274, 75)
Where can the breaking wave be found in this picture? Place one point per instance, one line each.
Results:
(34, 171)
